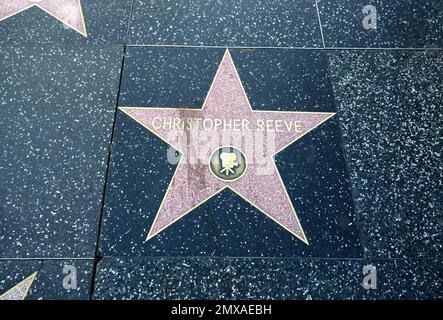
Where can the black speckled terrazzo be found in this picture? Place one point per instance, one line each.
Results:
(57, 106)
(81, 182)
(402, 24)
(392, 128)
(247, 23)
(50, 274)
(231, 278)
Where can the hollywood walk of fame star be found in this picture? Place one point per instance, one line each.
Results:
(226, 111)
(20, 290)
(68, 12)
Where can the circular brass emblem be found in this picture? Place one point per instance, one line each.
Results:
(228, 163)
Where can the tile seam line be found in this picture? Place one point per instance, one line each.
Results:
(60, 45)
(5, 46)
(227, 258)
(128, 29)
(359, 221)
(98, 257)
(283, 48)
(319, 23)
(47, 258)
(361, 259)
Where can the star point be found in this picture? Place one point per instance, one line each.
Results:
(20, 290)
(69, 12)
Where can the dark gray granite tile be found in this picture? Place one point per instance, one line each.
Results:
(168, 77)
(230, 278)
(57, 107)
(390, 105)
(54, 279)
(106, 23)
(405, 23)
(313, 168)
(181, 77)
(277, 23)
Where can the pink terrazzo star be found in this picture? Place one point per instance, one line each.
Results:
(67, 11)
(227, 119)
(19, 291)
